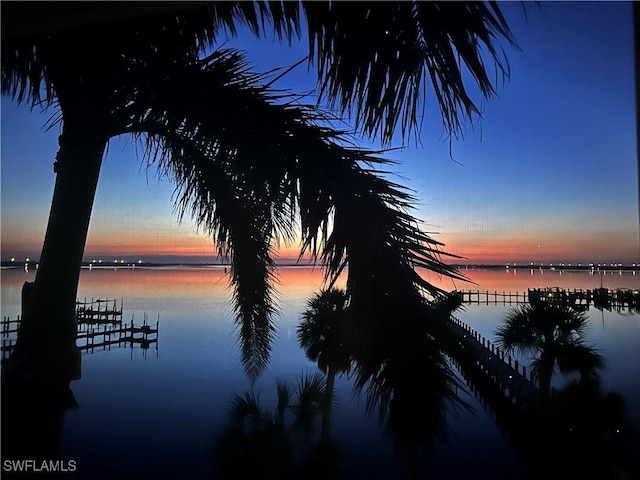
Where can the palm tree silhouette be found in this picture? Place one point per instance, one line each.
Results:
(553, 335)
(322, 335)
(269, 442)
(243, 181)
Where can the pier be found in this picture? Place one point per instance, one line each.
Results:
(488, 369)
(617, 299)
(504, 388)
(98, 337)
(509, 394)
(100, 327)
(105, 336)
(490, 365)
(99, 311)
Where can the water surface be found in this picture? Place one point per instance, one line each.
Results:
(157, 413)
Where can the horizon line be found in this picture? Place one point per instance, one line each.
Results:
(288, 262)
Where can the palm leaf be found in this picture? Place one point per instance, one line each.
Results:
(310, 396)
(246, 412)
(322, 331)
(285, 400)
(412, 390)
(40, 38)
(374, 60)
(578, 357)
(517, 333)
(246, 179)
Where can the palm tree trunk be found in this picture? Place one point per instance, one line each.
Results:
(49, 322)
(412, 457)
(545, 372)
(328, 402)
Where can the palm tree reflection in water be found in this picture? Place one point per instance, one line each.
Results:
(408, 383)
(411, 387)
(585, 430)
(33, 418)
(278, 444)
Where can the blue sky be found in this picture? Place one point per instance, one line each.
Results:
(549, 174)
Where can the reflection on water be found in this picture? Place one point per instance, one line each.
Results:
(159, 418)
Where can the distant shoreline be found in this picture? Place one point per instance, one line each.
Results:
(132, 265)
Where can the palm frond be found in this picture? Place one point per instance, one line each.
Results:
(322, 330)
(246, 179)
(411, 414)
(218, 187)
(543, 368)
(375, 60)
(240, 225)
(42, 39)
(393, 238)
(309, 399)
(581, 358)
(573, 324)
(246, 411)
(285, 399)
(517, 333)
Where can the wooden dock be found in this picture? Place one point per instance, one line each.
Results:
(105, 336)
(99, 311)
(503, 388)
(617, 299)
(100, 327)
(478, 356)
(96, 338)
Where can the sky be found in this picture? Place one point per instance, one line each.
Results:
(548, 174)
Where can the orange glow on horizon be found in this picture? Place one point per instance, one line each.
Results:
(524, 249)
(575, 247)
(149, 246)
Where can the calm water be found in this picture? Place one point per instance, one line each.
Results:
(156, 413)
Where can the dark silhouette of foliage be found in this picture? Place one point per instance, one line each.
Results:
(374, 59)
(586, 432)
(277, 443)
(322, 334)
(249, 165)
(553, 335)
(410, 386)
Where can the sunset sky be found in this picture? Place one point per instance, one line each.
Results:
(549, 175)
